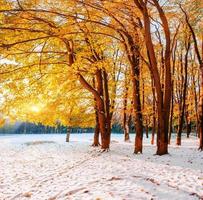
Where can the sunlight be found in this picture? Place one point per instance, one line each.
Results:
(35, 108)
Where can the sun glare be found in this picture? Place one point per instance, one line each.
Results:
(35, 108)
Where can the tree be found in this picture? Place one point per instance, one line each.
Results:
(163, 97)
(200, 60)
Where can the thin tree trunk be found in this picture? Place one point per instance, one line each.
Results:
(182, 105)
(96, 135)
(195, 102)
(171, 120)
(147, 129)
(96, 130)
(129, 125)
(125, 102)
(188, 122)
(200, 60)
(107, 106)
(154, 114)
(137, 114)
(131, 45)
(201, 113)
(172, 93)
(103, 107)
(153, 130)
(143, 107)
(68, 135)
(201, 103)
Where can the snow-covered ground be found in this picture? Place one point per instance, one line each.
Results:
(58, 170)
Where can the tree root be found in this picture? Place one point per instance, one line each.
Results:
(135, 152)
(200, 149)
(104, 150)
(96, 145)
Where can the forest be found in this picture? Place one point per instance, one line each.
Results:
(94, 63)
(101, 99)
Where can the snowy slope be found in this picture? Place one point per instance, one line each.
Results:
(77, 171)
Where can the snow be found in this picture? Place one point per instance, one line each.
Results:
(43, 167)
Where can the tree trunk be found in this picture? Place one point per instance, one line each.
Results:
(171, 121)
(147, 128)
(107, 106)
(172, 93)
(188, 122)
(68, 135)
(201, 112)
(200, 60)
(125, 122)
(201, 104)
(137, 109)
(132, 49)
(126, 133)
(103, 108)
(105, 134)
(182, 105)
(128, 127)
(195, 100)
(96, 133)
(104, 123)
(162, 135)
(96, 130)
(137, 114)
(153, 130)
(125, 103)
(154, 114)
(145, 118)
